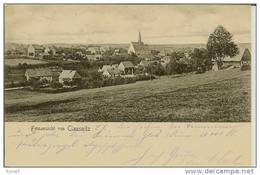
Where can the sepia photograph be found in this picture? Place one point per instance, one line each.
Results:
(127, 63)
(129, 85)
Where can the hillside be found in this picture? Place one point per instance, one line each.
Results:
(211, 97)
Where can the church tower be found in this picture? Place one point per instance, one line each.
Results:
(140, 38)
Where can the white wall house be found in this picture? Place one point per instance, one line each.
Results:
(126, 67)
(31, 51)
(68, 76)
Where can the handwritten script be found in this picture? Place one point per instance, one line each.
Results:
(127, 144)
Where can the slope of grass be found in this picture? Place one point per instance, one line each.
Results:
(214, 96)
(16, 61)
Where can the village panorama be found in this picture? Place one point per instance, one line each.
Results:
(135, 82)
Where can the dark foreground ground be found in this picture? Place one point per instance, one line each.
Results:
(222, 96)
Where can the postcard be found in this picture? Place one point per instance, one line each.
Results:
(129, 85)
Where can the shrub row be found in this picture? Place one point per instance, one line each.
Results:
(144, 77)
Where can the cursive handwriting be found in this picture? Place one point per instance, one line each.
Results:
(135, 144)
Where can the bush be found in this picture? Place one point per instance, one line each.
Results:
(36, 83)
(56, 85)
(156, 69)
(129, 80)
(144, 77)
(117, 81)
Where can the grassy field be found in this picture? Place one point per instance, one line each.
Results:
(16, 61)
(21, 94)
(16, 75)
(214, 96)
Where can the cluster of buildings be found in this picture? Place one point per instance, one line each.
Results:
(144, 51)
(124, 69)
(40, 51)
(52, 74)
(162, 56)
(148, 53)
(92, 53)
(127, 68)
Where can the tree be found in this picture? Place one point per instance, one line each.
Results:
(200, 59)
(178, 63)
(171, 67)
(155, 69)
(220, 45)
(177, 55)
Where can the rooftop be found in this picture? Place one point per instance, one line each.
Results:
(39, 72)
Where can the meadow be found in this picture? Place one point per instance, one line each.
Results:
(222, 96)
(16, 61)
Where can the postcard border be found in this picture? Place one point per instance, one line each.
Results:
(255, 124)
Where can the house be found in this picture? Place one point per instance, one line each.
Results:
(139, 48)
(143, 66)
(48, 53)
(35, 51)
(126, 67)
(112, 72)
(31, 51)
(39, 74)
(68, 76)
(244, 57)
(241, 59)
(94, 57)
(105, 67)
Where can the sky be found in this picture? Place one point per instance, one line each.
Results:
(96, 24)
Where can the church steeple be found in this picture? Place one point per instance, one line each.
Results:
(140, 38)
